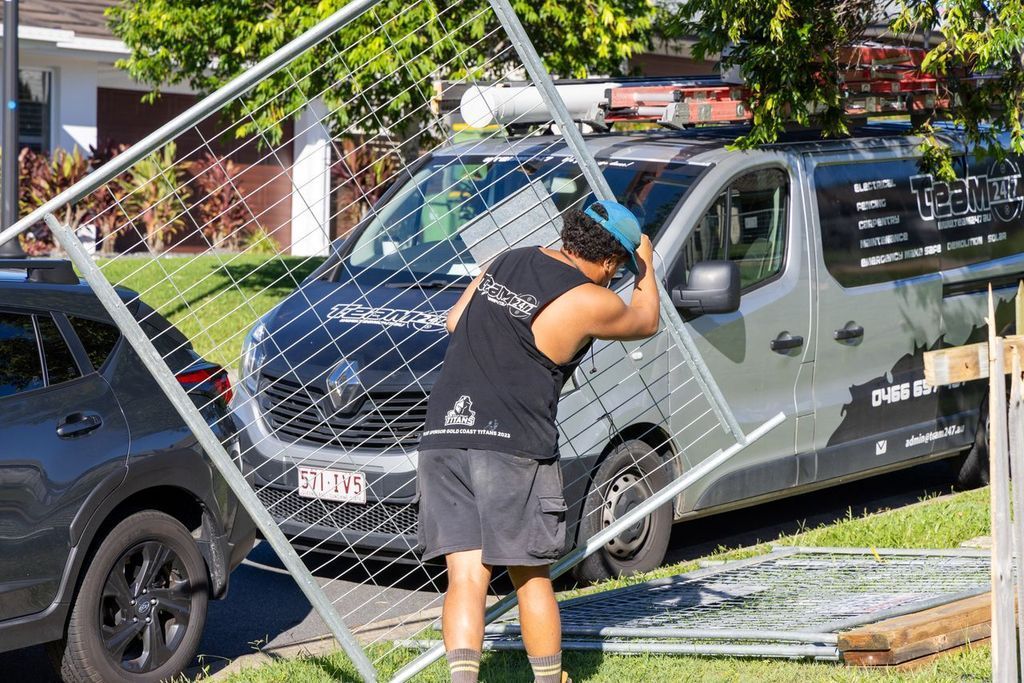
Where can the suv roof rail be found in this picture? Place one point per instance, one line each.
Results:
(48, 271)
(877, 80)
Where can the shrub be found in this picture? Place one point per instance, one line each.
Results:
(218, 209)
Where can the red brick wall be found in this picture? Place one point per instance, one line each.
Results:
(265, 179)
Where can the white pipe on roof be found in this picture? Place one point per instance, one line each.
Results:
(483, 105)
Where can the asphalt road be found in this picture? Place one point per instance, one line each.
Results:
(266, 607)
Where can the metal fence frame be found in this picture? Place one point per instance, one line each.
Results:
(142, 345)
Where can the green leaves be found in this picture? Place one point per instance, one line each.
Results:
(378, 72)
(981, 37)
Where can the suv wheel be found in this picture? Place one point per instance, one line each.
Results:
(141, 608)
(626, 478)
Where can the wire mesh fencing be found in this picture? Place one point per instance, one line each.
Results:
(791, 602)
(325, 303)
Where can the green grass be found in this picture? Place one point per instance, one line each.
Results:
(943, 522)
(507, 667)
(212, 299)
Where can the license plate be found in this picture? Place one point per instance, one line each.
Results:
(341, 487)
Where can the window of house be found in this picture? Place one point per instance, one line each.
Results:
(746, 225)
(34, 109)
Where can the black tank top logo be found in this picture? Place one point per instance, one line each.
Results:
(519, 305)
(461, 413)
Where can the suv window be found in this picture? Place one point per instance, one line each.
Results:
(60, 364)
(97, 338)
(747, 224)
(22, 369)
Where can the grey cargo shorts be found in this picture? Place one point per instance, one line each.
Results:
(510, 507)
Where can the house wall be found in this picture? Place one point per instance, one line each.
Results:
(265, 177)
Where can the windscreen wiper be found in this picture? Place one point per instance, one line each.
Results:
(430, 284)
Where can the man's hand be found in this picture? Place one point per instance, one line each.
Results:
(645, 259)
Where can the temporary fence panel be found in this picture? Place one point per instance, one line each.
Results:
(736, 608)
(336, 351)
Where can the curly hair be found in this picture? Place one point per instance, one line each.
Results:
(583, 237)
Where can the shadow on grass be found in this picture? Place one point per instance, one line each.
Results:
(276, 277)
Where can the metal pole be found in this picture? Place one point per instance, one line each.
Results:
(211, 444)
(821, 652)
(190, 117)
(595, 542)
(602, 190)
(642, 632)
(9, 149)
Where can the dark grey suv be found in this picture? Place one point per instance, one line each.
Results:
(115, 528)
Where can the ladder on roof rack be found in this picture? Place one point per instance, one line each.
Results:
(879, 80)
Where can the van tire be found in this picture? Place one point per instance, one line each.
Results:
(973, 472)
(180, 580)
(627, 477)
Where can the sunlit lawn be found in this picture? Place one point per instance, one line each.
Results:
(213, 299)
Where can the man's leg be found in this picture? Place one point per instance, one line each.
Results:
(540, 620)
(462, 618)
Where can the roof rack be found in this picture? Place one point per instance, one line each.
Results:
(878, 80)
(47, 271)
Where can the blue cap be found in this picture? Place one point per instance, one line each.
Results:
(622, 225)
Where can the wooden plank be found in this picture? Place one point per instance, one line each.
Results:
(917, 649)
(928, 659)
(1016, 433)
(1018, 307)
(899, 631)
(1004, 640)
(966, 363)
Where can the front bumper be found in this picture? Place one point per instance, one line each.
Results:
(384, 528)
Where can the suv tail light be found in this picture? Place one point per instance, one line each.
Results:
(215, 373)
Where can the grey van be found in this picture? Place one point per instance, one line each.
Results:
(834, 266)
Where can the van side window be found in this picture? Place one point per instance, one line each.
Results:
(746, 224)
(22, 369)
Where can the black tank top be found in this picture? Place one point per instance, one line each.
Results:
(496, 390)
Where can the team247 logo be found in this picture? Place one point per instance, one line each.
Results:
(999, 192)
(462, 413)
(519, 305)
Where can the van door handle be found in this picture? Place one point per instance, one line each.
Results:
(78, 424)
(851, 331)
(786, 341)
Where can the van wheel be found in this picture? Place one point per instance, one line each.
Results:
(626, 478)
(140, 611)
(973, 472)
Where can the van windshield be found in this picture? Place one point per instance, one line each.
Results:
(443, 221)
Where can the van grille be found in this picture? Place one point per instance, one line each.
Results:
(384, 420)
(383, 518)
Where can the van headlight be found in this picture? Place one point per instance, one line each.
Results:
(253, 356)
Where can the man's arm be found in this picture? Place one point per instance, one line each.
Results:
(456, 311)
(609, 316)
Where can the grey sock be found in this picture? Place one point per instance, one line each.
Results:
(464, 665)
(547, 669)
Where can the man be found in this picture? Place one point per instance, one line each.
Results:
(489, 480)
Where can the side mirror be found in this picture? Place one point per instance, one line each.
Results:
(713, 287)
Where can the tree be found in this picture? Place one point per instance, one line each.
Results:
(788, 51)
(379, 68)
